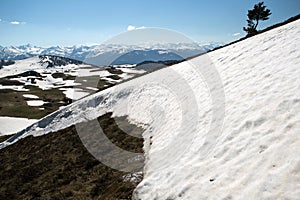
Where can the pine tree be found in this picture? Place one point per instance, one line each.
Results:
(259, 12)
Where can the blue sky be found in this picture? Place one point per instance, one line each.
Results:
(70, 22)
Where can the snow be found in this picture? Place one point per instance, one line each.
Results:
(126, 76)
(131, 70)
(110, 80)
(30, 96)
(35, 103)
(93, 72)
(20, 66)
(162, 52)
(11, 125)
(133, 177)
(19, 88)
(92, 88)
(125, 65)
(74, 93)
(47, 81)
(34, 64)
(255, 156)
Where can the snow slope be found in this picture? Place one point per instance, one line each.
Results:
(256, 156)
(35, 64)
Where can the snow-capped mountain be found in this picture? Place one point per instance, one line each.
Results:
(256, 153)
(101, 54)
(129, 56)
(26, 51)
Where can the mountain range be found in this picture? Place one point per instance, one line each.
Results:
(107, 54)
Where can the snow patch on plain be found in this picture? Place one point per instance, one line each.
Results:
(11, 125)
(35, 103)
(30, 96)
(74, 93)
(18, 88)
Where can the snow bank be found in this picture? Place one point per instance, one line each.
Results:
(256, 156)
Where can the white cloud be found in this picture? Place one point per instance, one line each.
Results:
(17, 22)
(236, 34)
(142, 27)
(0, 20)
(130, 28)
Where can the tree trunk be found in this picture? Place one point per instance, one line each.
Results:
(256, 24)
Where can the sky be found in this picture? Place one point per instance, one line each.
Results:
(73, 22)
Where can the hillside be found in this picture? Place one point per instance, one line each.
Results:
(57, 166)
(232, 133)
(35, 87)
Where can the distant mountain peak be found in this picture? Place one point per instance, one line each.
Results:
(85, 52)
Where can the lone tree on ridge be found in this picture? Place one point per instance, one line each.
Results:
(259, 12)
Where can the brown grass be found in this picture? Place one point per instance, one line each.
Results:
(57, 166)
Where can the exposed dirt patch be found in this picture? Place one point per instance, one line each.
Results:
(113, 70)
(114, 77)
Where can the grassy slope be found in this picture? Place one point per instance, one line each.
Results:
(13, 104)
(57, 166)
